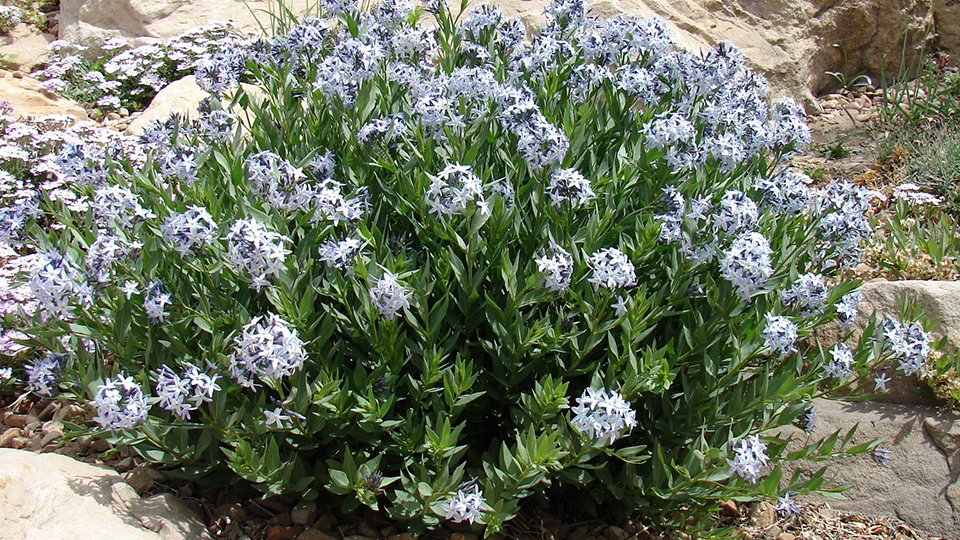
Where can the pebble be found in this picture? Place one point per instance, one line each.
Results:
(763, 516)
(234, 511)
(326, 522)
(786, 536)
(52, 425)
(7, 437)
(729, 508)
(282, 532)
(16, 420)
(402, 536)
(463, 536)
(388, 531)
(83, 443)
(50, 437)
(864, 117)
(68, 412)
(304, 515)
(47, 413)
(17, 74)
(113, 116)
(100, 445)
(365, 529)
(314, 534)
(141, 479)
(615, 533)
(124, 112)
(21, 442)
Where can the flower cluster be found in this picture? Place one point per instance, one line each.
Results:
(453, 188)
(780, 334)
(466, 505)
(603, 415)
(44, 374)
(155, 300)
(841, 362)
(611, 269)
(266, 348)
(747, 264)
(569, 185)
(557, 268)
(749, 457)
(120, 403)
(118, 207)
(183, 393)
(910, 343)
(808, 293)
(278, 182)
(389, 296)
(189, 231)
(10, 16)
(340, 253)
(58, 285)
(257, 250)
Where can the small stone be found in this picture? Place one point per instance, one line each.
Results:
(773, 531)
(580, 533)
(17, 74)
(402, 536)
(326, 522)
(50, 437)
(68, 412)
(786, 536)
(304, 515)
(16, 420)
(763, 515)
(123, 112)
(314, 534)
(282, 532)
(365, 529)
(234, 511)
(126, 464)
(829, 513)
(463, 536)
(31, 426)
(47, 413)
(51, 426)
(21, 443)
(100, 445)
(83, 443)
(388, 531)
(864, 117)
(7, 437)
(615, 533)
(113, 116)
(729, 508)
(140, 480)
(833, 96)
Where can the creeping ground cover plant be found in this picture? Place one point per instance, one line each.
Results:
(428, 262)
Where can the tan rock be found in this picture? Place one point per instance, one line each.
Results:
(24, 47)
(29, 99)
(50, 496)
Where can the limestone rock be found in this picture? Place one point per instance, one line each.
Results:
(54, 497)
(89, 22)
(918, 486)
(29, 99)
(182, 97)
(24, 47)
(940, 302)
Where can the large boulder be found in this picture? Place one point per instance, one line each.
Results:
(89, 22)
(29, 98)
(938, 300)
(918, 485)
(24, 47)
(54, 497)
(182, 97)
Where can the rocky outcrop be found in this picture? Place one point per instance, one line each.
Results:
(793, 42)
(180, 97)
(54, 497)
(918, 485)
(89, 22)
(29, 99)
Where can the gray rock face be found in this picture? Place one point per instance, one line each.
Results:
(792, 42)
(918, 486)
(54, 497)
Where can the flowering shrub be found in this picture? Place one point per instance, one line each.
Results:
(130, 77)
(10, 16)
(424, 242)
